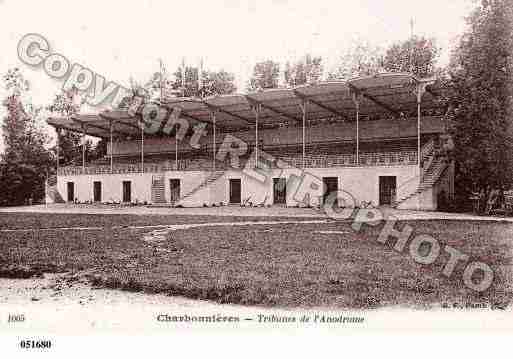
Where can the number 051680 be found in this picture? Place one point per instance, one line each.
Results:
(35, 344)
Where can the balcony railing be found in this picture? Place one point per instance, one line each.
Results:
(311, 161)
(349, 160)
(120, 169)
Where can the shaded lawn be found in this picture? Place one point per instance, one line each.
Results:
(286, 265)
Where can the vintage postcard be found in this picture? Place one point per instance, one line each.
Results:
(228, 167)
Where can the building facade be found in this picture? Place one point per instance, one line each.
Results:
(289, 147)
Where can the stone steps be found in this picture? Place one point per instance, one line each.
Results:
(158, 189)
(429, 179)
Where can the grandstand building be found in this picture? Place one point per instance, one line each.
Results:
(380, 139)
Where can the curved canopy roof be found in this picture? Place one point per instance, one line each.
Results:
(389, 94)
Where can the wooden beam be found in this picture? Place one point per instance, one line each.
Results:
(79, 131)
(318, 104)
(220, 109)
(375, 100)
(381, 104)
(126, 124)
(273, 109)
(184, 113)
(135, 127)
(129, 124)
(82, 124)
(89, 124)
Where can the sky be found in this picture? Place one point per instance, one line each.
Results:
(122, 39)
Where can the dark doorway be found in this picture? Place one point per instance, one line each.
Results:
(71, 192)
(280, 190)
(330, 186)
(387, 190)
(174, 186)
(127, 191)
(97, 191)
(235, 191)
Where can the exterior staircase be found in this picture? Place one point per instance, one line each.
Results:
(433, 174)
(158, 189)
(214, 176)
(434, 167)
(429, 179)
(52, 194)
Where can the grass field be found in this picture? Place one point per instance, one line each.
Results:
(288, 265)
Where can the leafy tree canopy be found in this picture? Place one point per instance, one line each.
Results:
(480, 76)
(417, 55)
(266, 75)
(26, 162)
(308, 70)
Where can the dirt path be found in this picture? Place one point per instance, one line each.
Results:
(238, 211)
(58, 304)
(160, 234)
(52, 306)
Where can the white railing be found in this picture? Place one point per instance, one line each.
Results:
(118, 169)
(183, 165)
(311, 161)
(346, 160)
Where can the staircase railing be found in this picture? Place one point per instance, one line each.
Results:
(51, 190)
(214, 176)
(408, 182)
(434, 176)
(425, 183)
(427, 157)
(427, 150)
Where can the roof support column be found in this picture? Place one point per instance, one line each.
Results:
(58, 130)
(176, 149)
(83, 148)
(142, 145)
(213, 116)
(176, 152)
(421, 90)
(303, 109)
(111, 148)
(356, 99)
(257, 109)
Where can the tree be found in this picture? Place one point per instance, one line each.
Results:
(308, 70)
(217, 83)
(417, 55)
(66, 104)
(186, 81)
(26, 162)
(212, 82)
(361, 59)
(140, 91)
(99, 150)
(265, 76)
(480, 73)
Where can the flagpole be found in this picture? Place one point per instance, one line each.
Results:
(183, 76)
(200, 77)
(161, 79)
(411, 45)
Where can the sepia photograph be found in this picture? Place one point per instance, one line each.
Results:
(171, 167)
